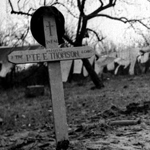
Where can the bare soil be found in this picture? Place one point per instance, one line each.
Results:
(116, 117)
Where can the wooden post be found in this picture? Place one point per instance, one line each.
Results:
(56, 85)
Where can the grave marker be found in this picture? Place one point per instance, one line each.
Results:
(53, 55)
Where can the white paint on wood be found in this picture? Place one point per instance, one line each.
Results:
(77, 66)
(144, 58)
(104, 61)
(56, 85)
(4, 51)
(111, 66)
(50, 54)
(98, 69)
(122, 62)
(65, 69)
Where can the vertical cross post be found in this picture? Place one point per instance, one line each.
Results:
(56, 85)
(52, 55)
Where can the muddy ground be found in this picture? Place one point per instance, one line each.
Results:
(116, 117)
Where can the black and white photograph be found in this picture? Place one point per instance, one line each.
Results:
(75, 75)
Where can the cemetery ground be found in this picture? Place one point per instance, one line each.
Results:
(116, 117)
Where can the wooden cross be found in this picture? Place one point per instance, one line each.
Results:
(53, 55)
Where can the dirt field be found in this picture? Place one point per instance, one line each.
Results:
(116, 117)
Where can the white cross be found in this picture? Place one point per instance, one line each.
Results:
(53, 55)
